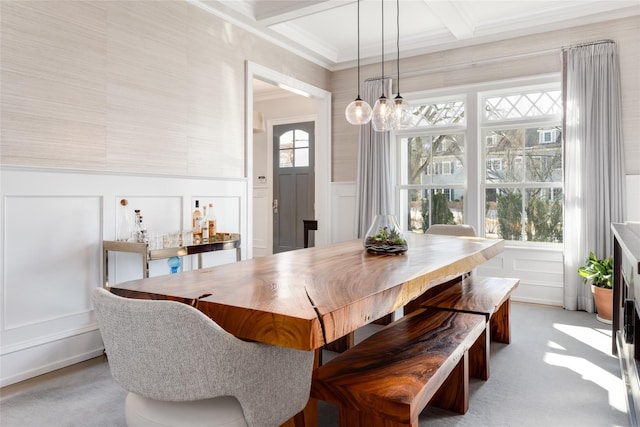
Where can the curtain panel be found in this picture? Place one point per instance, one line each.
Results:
(374, 180)
(594, 169)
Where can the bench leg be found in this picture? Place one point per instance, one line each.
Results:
(500, 324)
(479, 356)
(341, 344)
(453, 395)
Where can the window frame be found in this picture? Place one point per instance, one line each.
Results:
(435, 168)
(474, 156)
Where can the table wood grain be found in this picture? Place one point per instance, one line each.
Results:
(308, 297)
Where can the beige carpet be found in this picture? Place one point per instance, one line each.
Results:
(558, 371)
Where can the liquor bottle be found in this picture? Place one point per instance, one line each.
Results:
(211, 219)
(140, 231)
(204, 224)
(143, 236)
(197, 224)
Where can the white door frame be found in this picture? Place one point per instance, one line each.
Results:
(322, 150)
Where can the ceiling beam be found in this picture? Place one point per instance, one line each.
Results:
(269, 13)
(453, 16)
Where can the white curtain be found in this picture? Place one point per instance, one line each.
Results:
(373, 184)
(594, 170)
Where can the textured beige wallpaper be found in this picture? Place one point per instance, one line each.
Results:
(158, 87)
(131, 86)
(625, 32)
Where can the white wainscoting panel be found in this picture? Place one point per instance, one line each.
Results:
(540, 270)
(261, 219)
(343, 215)
(52, 224)
(47, 241)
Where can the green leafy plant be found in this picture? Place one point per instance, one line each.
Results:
(387, 235)
(440, 212)
(598, 271)
(510, 214)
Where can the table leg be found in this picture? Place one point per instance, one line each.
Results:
(105, 266)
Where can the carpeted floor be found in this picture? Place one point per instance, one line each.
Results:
(557, 371)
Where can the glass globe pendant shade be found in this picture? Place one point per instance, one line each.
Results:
(358, 112)
(380, 120)
(401, 115)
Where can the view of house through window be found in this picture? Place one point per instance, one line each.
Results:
(433, 166)
(517, 158)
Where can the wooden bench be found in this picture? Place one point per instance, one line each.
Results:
(490, 296)
(387, 379)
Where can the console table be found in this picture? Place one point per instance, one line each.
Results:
(233, 242)
(626, 310)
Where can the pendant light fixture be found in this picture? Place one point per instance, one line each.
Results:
(382, 108)
(401, 114)
(358, 112)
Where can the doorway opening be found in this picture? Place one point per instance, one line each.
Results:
(259, 151)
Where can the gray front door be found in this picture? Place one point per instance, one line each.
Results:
(293, 184)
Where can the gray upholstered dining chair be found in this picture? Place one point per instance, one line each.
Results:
(452, 229)
(183, 369)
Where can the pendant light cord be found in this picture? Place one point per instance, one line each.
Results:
(358, 49)
(382, 2)
(398, 42)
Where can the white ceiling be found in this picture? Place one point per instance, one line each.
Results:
(325, 31)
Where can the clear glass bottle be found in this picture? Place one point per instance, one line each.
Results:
(385, 236)
(124, 225)
(144, 237)
(140, 231)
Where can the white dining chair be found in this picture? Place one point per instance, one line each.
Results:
(183, 369)
(452, 230)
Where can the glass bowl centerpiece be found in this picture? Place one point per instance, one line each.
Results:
(385, 236)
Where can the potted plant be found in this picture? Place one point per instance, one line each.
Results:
(599, 273)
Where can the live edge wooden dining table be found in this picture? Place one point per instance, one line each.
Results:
(309, 297)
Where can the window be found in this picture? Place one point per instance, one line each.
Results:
(523, 199)
(494, 164)
(433, 166)
(517, 184)
(491, 140)
(547, 136)
(294, 149)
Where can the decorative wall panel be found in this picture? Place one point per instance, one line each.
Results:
(53, 223)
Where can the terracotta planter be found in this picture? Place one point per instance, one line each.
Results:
(604, 302)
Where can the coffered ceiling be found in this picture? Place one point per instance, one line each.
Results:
(325, 31)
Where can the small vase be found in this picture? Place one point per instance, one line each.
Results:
(385, 236)
(174, 264)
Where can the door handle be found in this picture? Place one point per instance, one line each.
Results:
(275, 206)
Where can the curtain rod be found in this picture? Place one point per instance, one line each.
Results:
(422, 72)
(596, 42)
(372, 79)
